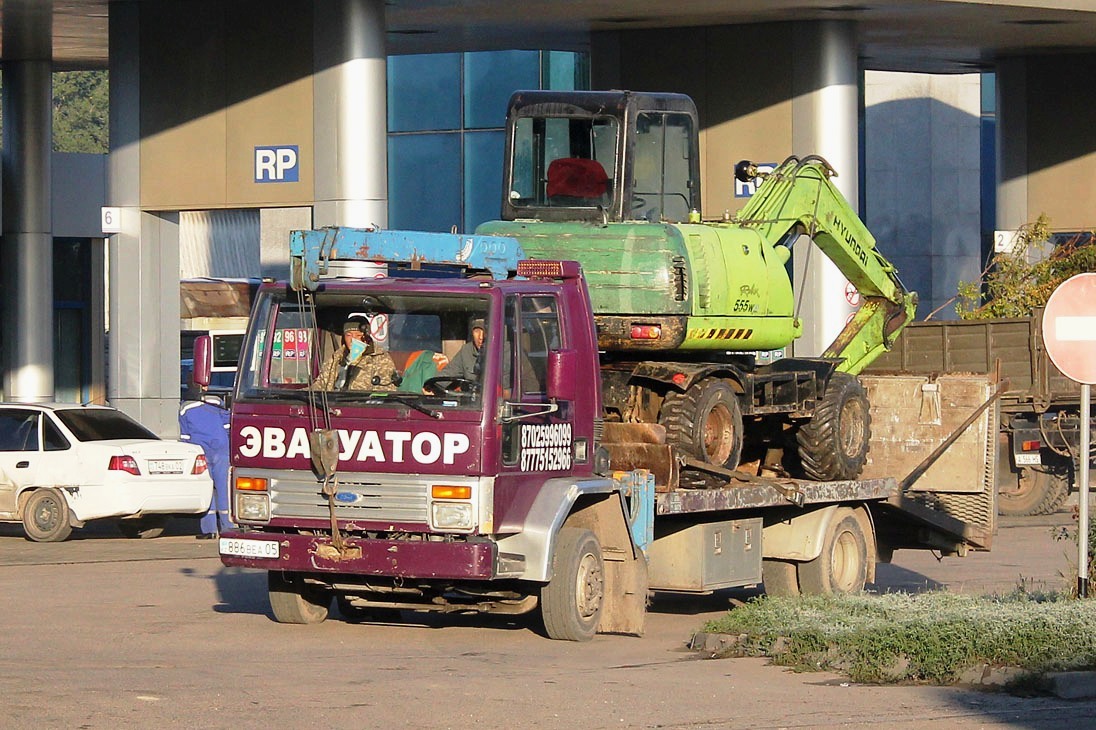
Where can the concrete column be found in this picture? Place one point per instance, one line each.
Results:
(825, 121)
(27, 277)
(1012, 153)
(351, 113)
(143, 300)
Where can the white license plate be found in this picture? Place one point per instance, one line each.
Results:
(165, 466)
(1028, 460)
(249, 548)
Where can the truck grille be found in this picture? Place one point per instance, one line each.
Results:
(381, 497)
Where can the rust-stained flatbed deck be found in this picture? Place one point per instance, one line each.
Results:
(759, 493)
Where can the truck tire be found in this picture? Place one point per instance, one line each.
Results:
(143, 528)
(780, 577)
(842, 567)
(570, 604)
(1039, 491)
(46, 517)
(294, 602)
(833, 445)
(706, 422)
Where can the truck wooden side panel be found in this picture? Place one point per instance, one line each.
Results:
(978, 346)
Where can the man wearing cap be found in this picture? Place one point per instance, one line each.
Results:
(358, 364)
(466, 363)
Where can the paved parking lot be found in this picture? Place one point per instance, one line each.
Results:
(102, 632)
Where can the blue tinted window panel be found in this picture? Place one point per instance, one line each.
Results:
(482, 177)
(424, 92)
(564, 71)
(424, 182)
(490, 77)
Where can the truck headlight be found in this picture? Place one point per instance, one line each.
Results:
(451, 516)
(252, 507)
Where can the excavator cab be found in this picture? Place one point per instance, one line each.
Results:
(601, 156)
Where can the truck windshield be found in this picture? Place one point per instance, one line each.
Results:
(420, 349)
(564, 162)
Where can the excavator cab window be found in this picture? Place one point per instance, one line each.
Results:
(563, 162)
(662, 187)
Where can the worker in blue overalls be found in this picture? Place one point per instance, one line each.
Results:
(205, 422)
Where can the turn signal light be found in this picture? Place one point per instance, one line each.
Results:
(646, 331)
(200, 465)
(444, 491)
(251, 484)
(124, 463)
(1030, 445)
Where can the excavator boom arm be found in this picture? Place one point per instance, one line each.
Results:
(797, 198)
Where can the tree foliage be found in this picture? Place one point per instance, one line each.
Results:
(81, 111)
(1017, 282)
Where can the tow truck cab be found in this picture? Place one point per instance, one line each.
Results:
(457, 465)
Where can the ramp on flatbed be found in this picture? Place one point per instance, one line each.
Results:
(951, 506)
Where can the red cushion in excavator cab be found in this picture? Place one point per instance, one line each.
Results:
(577, 178)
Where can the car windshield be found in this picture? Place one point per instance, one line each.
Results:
(368, 349)
(102, 424)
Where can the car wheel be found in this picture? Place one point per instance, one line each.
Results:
(46, 516)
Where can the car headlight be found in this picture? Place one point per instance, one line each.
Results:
(252, 507)
(451, 516)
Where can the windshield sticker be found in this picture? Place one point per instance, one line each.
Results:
(378, 327)
(546, 447)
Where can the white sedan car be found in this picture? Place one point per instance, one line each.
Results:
(62, 465)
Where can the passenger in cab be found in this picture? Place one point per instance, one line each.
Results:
(466, 363)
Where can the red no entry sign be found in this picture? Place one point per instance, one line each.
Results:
(1069, 328)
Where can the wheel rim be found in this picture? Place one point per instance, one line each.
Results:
(589, 586)
(851, 428)
(845, 563)
(718, 435)
(47, 514)
(1025, 485)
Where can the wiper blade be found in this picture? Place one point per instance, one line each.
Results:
(405, 399)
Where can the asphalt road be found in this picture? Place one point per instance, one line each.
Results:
(101, 632)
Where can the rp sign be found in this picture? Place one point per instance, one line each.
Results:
(277, 164)
(1069, 328)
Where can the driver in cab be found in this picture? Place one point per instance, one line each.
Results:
(358, 364)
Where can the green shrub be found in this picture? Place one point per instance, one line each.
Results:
(932, 637)
(1016, 283)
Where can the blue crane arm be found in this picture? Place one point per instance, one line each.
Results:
(311, 252)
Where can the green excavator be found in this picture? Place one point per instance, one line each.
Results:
(685, 305)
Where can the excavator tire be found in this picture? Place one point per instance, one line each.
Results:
(706, 422)
(833, 445)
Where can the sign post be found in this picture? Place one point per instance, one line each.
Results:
(1069, 333)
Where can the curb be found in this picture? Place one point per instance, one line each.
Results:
(1072, 685)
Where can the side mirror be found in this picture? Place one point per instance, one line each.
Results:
(562, 374)
(203, 360)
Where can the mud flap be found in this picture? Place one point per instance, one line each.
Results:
(625, 603)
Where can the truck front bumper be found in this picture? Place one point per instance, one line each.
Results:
(392, 558)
